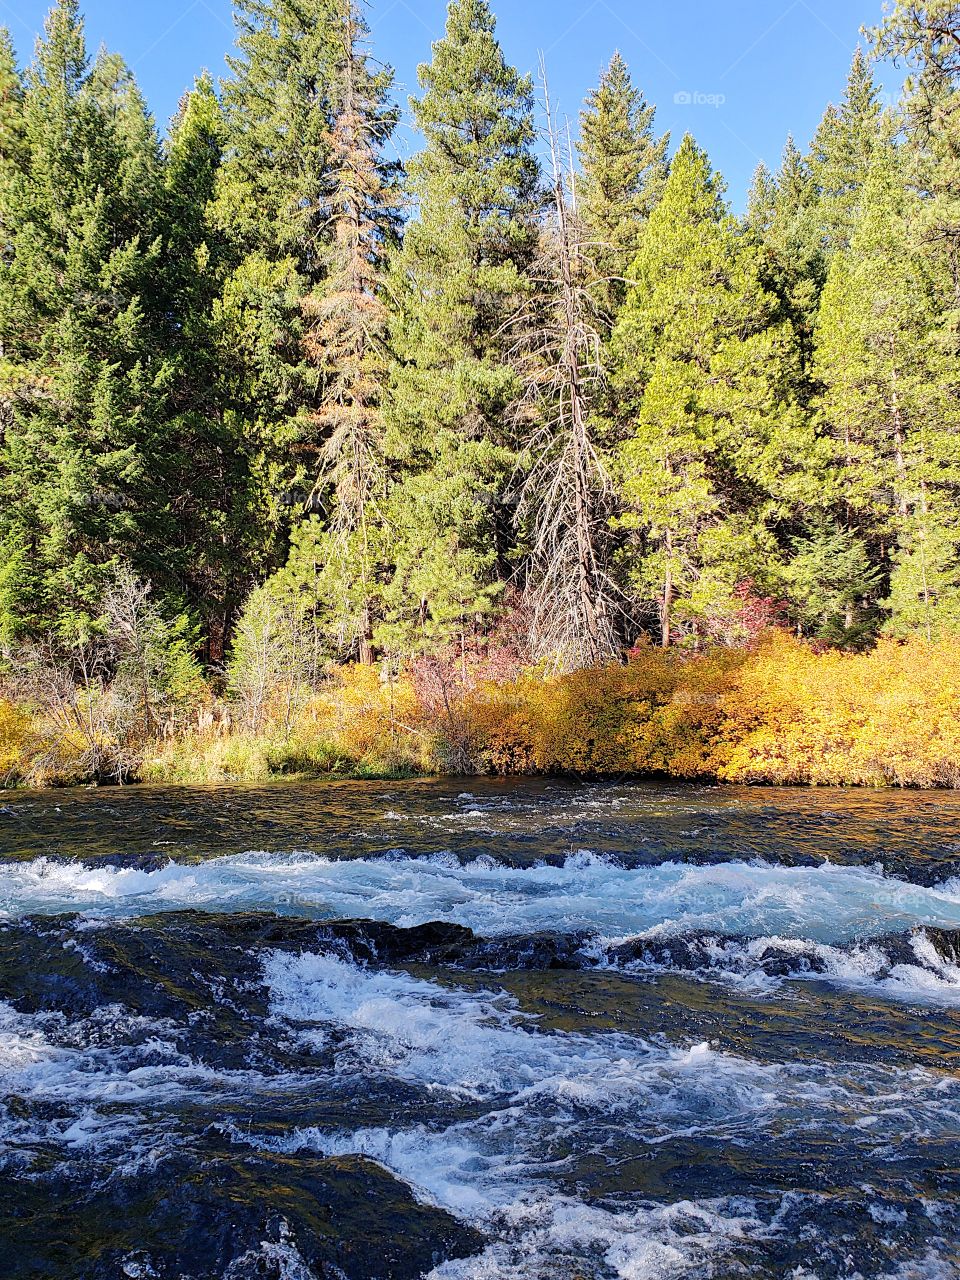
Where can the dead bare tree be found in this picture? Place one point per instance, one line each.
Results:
(345, 338)
(102, 696)
(566, 497)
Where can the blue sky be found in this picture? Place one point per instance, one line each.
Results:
(740, 75)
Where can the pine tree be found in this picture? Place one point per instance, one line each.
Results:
(78, 330)
(925, 36)
(889, 403)
(12, 156)
(205, 465)
(345, 333)
(784, 217)
(828, 575)
(842, 152)
(277, 103)
(459, 281)
(273, 204)
(623, 169)
(11, 105)
(704, 374)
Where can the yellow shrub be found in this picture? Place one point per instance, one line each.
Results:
(370, 717)
(659, 713)
(15, 743)
(889, 716)
(783, 714)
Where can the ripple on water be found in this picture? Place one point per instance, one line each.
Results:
(830, 904)
(707, 1048)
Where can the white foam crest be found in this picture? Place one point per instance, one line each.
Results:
(34, 1066)
(90, 1068)
(478, 1172)
(829, 903)
(279, 1257)
(559, 1236)
(478, 1045)
(866, 966)
(930, 1267)
(538, 1232)
(471, 1170)
(486, 1173)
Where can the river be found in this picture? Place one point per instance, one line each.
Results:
(479, 1031)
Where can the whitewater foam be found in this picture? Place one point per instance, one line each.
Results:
(475, 1171)
(828, 904)
(479, 1045)
(761, 966)
(108, 1077)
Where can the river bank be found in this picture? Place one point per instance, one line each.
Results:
(781, 713)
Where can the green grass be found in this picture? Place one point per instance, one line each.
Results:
(247, 757)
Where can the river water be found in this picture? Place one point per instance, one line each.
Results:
(491, 1030)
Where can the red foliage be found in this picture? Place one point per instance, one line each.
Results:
(757, 614)
(496, 657)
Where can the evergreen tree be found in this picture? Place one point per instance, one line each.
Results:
(828, 575)
(784, 217)
(925, 36)
(842, 152)
(889, 403)
(11, 105)
(277, 104)
(704, 373)
(346, 322)
(78, 331)
(273, 204)
(213, 518)
(461, 276)
(623, 169)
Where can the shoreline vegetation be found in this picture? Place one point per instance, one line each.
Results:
(778, 713)
(526, 455)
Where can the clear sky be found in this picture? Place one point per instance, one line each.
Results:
(739, 75)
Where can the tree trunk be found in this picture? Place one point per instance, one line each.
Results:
(665, 617)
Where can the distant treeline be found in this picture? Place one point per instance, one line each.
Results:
(340, 410)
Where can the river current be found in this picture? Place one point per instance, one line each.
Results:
(479, 1031)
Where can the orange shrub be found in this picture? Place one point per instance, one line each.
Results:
(659, 713)
(782, 714)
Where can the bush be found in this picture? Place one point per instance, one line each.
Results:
(782, 713)
(657, 714)
(374, 718)
(16, 743)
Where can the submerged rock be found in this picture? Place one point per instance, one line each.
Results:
(217, 1215)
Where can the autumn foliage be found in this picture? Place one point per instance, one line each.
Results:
(781, 712)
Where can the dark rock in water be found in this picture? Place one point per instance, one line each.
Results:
(777, 962)
(693, 952)
(221, 1215)
(685, 951)
(375, 941)
(697, 952)
(535, 951)
(946, 942)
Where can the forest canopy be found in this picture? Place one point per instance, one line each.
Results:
(541, 388)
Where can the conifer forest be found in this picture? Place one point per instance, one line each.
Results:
(274, 406)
